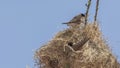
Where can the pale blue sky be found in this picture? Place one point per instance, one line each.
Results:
(27, 24)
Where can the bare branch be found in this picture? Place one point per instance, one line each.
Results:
(96, 11)
(87, 11)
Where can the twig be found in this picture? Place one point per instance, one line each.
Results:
(96, 11)
(88, 7)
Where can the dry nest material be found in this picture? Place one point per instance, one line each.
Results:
(76, 48)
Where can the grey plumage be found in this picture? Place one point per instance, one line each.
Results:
(77, 20)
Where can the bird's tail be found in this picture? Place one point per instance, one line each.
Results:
(65, 23)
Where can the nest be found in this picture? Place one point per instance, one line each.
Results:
(76, 48)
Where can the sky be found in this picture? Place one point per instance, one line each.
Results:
(25, 25)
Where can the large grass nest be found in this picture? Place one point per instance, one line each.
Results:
(82, 47)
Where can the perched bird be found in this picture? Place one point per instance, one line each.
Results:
(76, 21)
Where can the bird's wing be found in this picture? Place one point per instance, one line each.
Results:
(76, 18)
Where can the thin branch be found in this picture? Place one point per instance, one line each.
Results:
(96, 11)
(87, 11)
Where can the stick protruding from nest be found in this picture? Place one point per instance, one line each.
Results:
(87, 11)
(96, 11)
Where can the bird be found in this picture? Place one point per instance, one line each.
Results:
(76, 21)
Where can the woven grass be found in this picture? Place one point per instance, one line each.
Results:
(76, 48)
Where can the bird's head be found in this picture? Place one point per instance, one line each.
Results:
(83, 15)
